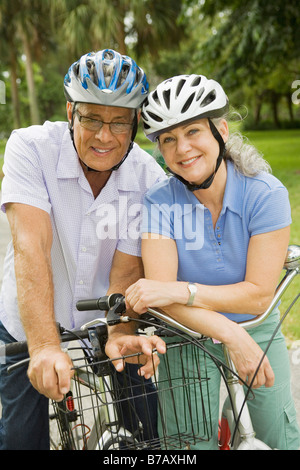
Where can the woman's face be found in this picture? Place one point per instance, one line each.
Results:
(191, 150)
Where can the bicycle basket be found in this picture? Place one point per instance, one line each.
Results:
(125, 411)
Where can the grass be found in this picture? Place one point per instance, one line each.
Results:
(282, 150)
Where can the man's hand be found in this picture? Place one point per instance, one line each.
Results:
(50, 372)
(119, 345)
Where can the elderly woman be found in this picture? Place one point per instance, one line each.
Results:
(215, 236)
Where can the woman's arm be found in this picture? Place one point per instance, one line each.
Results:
(160, 264)
(266, 255)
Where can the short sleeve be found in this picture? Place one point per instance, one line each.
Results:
(271, 211)
(158, 217)
(23, 180)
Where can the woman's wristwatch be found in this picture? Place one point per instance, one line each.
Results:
(192, 289)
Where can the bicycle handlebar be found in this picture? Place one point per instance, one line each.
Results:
(115, 305)
(18, 347)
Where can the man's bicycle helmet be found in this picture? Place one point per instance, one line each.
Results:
(110, 79)
(181, 99)
(107, 78)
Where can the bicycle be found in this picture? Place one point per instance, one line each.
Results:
(108, 432)
(93, 414)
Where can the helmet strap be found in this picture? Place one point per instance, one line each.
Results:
(207, 183)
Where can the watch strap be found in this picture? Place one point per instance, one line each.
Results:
(192, 289)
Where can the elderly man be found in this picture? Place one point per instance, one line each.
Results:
(72, 193)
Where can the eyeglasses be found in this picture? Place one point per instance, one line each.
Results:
(95, 125)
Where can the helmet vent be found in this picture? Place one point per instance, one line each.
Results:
(209, 98)
(155, 117)
(155, 97)
(108, 55)
(108, 70)
(197, 81)
(166, 95)
(188, 103)
(200, 93)
(179, 87)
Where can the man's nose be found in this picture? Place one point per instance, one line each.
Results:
(104, 133)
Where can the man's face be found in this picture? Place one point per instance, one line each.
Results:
(101, 147)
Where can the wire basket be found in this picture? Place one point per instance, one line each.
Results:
(106, 409)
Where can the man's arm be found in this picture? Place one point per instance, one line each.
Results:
(126, 270)
(49, 369)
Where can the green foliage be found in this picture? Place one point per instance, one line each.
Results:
(250, 46)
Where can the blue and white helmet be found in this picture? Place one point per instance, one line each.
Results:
(106, 78)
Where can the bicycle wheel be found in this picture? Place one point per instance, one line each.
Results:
(120, 443)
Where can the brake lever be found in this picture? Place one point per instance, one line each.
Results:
(115, 313)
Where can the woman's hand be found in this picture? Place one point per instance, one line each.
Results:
(147, 293)
(246, 356)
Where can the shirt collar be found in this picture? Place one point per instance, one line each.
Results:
(233, 196)
(68, 164)
(234, 190)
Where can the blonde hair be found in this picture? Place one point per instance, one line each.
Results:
(245, 156)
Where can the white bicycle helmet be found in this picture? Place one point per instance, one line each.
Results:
(180, 99)
(106, 78)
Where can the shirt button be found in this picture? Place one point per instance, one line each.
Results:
(81, 282)
(83, 249)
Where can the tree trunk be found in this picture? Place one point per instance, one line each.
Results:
(14, 87)
(33, 102)
(290, 107)
(274, 103)
(257, 110)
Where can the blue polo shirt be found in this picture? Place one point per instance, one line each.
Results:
(216, 255)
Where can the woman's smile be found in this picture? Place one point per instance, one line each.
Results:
(190, 162)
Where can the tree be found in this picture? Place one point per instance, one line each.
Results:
(141, 25)
(255, 44)
(23, 24)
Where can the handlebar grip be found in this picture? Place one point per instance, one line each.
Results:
(103, 303)
(93, 304)
(12, 349)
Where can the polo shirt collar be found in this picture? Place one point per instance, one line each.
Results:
(234, 190)
(233, 196)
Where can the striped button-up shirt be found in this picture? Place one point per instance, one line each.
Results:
(42, 169)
